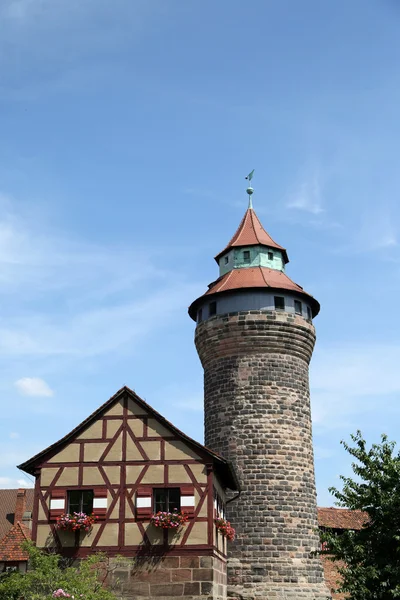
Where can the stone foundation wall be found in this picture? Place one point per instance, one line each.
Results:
(189, 577)
(257, 414)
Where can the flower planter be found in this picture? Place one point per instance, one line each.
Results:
(226, 529)
(168, 520)
(75, 522)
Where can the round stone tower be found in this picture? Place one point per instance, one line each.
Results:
(255, 339)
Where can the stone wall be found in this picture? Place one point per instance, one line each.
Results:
(187, 577)
(257, 414)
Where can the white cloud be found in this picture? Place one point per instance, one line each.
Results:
(307, 196)
(13, 435)
(33, 386)
(25, 483)
(11, 482)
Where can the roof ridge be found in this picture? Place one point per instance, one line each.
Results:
(253, 214)
(18, 525)
(263, 276)
(30, 463)
(229, 274)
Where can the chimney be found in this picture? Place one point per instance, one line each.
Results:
(20, 505)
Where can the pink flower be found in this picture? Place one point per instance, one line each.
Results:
(60, 594)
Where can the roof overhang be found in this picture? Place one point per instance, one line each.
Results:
(314, 304)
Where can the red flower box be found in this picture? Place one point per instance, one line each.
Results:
(75, 522)
(168, 520)
(226, 529)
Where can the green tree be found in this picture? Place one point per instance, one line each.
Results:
(369, 559)
(46, 575)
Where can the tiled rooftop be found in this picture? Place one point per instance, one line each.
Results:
(8, 499)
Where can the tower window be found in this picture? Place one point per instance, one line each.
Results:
(226, 259)
(200, 315)
(279, 303)
(297, 307)
(270, 255)
(212, 309)
(309, 315)
(246, 256)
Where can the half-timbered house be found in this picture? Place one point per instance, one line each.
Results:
(124, 463)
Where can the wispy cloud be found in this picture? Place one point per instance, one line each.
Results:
(13, 435)
(33, 386)
(307, 195)
(378, 229)
(98, 301)
(16, 9)
(347, 381)
(322, 452)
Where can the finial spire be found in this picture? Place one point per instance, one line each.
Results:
(250, 189)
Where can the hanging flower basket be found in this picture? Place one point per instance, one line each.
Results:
(76, 522)
(168, 520)
(226, 529)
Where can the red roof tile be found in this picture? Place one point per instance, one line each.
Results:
(249, 233)
(10, 545)
(251, 277)
(341, 518)
(332, 577)
(254, 277)
(8, 499)
(338, 518)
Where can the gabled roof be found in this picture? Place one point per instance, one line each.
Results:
(253, 278)
(251, 233)
(8, 499)
(341, 518)
(10, 545)
(222, 467)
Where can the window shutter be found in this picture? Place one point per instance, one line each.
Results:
(187, 499)
(100, 502)
(144, 496)
(57, 504)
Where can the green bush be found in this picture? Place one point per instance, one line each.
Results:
(368, 559)
(46, 575)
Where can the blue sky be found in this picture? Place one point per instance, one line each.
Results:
(127, 128)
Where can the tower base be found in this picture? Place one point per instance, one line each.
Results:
(280, 592)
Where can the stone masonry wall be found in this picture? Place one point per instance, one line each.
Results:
(168, 577)
(257, 414)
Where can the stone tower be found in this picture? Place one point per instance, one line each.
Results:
(255, 339)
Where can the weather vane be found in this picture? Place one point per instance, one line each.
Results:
(250, 189)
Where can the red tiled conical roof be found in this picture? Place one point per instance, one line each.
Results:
(249, 233)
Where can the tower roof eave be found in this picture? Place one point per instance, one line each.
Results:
(250, 233)
(254, 278)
